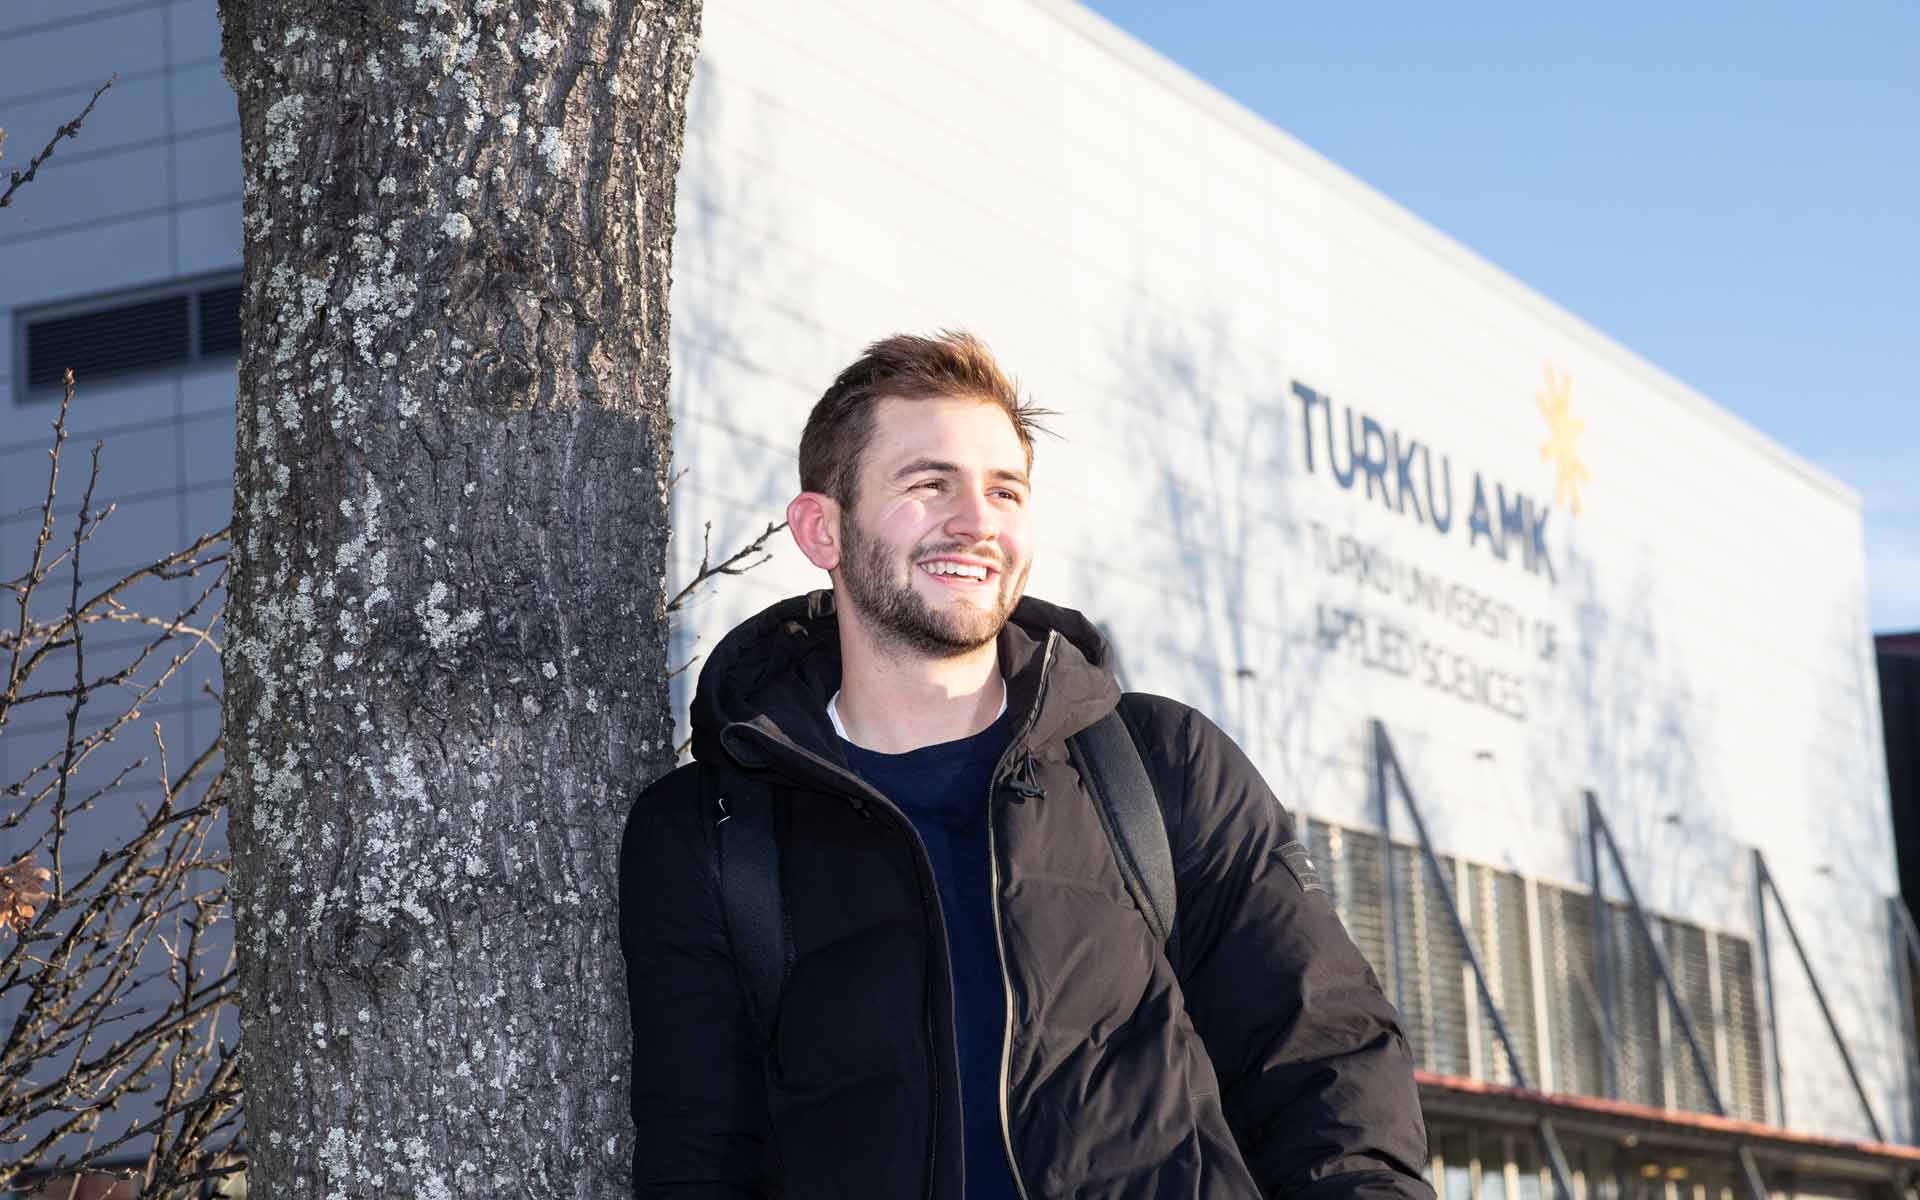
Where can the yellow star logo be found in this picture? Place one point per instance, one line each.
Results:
(1563, 429)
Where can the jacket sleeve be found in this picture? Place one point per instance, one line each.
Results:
(699, 1092)
(1315, 1073)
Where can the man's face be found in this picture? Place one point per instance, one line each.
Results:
(935, 551)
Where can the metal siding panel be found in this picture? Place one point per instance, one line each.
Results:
(193, 31)
(79, 193)
(76, 262)
(207, 235)
(81, 54)
(132, 111)
(206, 166)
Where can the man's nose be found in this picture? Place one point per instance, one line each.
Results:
(973, 516)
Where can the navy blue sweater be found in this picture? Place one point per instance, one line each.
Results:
(943, 791)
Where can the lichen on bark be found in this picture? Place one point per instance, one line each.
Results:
(445, 670)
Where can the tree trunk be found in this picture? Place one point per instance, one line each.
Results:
(445, 667)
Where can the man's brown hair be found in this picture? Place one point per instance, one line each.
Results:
(953, 364)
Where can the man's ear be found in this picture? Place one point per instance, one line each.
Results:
(814, 521)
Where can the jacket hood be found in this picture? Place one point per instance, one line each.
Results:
(768, 681)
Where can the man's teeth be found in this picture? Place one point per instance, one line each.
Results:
(954, 568)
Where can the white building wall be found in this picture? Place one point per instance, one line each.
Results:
(1163, 268)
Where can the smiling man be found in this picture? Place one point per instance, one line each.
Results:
(885, 936)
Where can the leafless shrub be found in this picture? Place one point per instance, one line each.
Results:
(114, 967)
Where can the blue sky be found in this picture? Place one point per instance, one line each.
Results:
(1731, 191)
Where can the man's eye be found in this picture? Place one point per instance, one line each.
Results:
(935, 484)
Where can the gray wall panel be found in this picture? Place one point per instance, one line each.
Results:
(117, 254)
(209, 388)
(193, 27)
(207, 236)
(207, 165)
(208, 438)
(61, 55)
(79, 192)
(201, 98)
(100, 407)
(208, 507)
(133, 110)
(29, 14)
(133, 467)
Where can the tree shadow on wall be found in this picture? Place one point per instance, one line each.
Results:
(729, 223)
(1841, 910)
(739, 308)
(1198, 417)
(1641, 725)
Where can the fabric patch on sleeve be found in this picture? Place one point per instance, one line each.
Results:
(1294, 857)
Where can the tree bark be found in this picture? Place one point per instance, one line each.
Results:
(445, 667)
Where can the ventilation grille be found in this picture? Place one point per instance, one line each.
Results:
(1692, 967)
(1562, 1048)
(1350, 868)
(1437, 979)
(113, 341)
(1573, 1003)
(1498, 918)
(220, 322)
(1745, 1088)
(1637, 1003)
(123, 336)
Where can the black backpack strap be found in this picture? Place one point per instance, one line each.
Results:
(1109, 759)
(750, 896)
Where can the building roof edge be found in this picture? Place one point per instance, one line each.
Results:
(1216, 103)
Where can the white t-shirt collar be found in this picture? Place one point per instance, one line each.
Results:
(833, 713)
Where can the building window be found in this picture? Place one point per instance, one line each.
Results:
(182, 324)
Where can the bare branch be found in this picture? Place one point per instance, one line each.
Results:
(70, 129)
(732, 565)
(683, 666)
(40, 542)
(106, 971)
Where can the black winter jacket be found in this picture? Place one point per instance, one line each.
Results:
(1263, 1061)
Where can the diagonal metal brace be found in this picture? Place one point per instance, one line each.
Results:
(1764, 882)
(1597, 828)
(1385, 762)
(1906, 958)
(1599, 831)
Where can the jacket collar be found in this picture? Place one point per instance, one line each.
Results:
(761, 705)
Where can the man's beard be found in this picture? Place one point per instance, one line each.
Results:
(902, 617)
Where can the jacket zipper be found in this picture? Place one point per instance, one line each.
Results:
(938, 946)
(999, 939)
(938, 943)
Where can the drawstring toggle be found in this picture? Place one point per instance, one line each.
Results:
(1026, 778)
